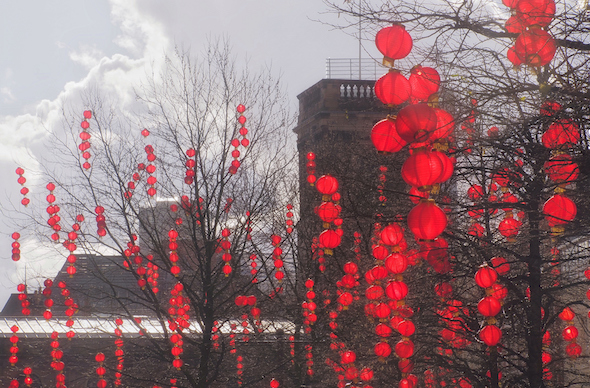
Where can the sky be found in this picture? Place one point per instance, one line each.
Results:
(52, 51)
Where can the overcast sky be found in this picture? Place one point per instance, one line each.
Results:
(51, 51)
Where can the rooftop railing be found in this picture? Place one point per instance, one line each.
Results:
(354, 68)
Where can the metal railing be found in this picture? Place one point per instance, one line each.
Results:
(354, 68)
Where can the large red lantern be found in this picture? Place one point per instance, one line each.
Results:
(535, 12)
(426, 220)
(327, 185)
(393, 42)
(406, 328)
(385, 137)
(424, 81)
(490, 335)
(561, 169)
(559, 210)
(396, 290)
(329, 240)
(404, 349)
(392, 88)
(514, 25)
(486, 276)
(422, 169)
(328, 212)
(563, 133)
(513, 57)
(416, 122)
(448, 167)
(396, 263)
(535, 47)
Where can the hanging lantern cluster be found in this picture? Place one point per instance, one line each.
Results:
(152, 274)
(244, 142)
(215, 335)
(309, 359)
(48, 302)
(28, 371)
(179, 307)
(53, 210)
(177, 350)
(309, 306)
(561, 135)
(85, 137)
(534, 46)
(289, 221)
(119, 353)
(381, 185)
(56, 363)
(15, 246)
(245, 330)
(22, 296)
(71, 308)
(570, 333)
(329, 213)
(151, 169)
(277, 257)
(24, 190)
(490, 306)
(226, 249)
(253, 270)
(13, 359)
(190, 164)
(70, 245)
(450, 316)
(173, 246)
(101, 224)
(310, 168)
(100, 370)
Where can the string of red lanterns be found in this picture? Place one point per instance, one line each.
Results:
(85, 137)
(24, 190)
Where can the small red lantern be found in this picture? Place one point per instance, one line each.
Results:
(393, 42)
(328, 212)
(392, 88)
(535, 47)
(348, 357)
(500, 265)
(374, 292)
(416, 122)
(406, 328)
(490, 335)
(396, 263)
(509, 228)
(567, 314)
(274, 383)
(382, 350)
(426, 220)
(570, 333)
(424, 81)
(573, 350)
(385, 137)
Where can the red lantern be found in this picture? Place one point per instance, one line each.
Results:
(514, 25)
(563, 133)
(559, 210)
(535, 12)
(489, 306)
(392, 88)
(392, 234)
(549, 108)
(327, 185)
(329, 240)
(513, 57)
(535, 47)
(382, 330)
(396, 263)
(274, 383)
(570, 333)
(424, 81)
(490, 335)
(500, 265)
(385, 137)
(382, 310)
(396, 290)
(404, 349)
(445, 124)
(393, 42)
(374, 292)
(406, 328)
(485, 277)
(573, 350)
(328, 212)
(567, 314)
(561, 169)
(416, 122)
(416, 195)
(447, 169)
(426, 220)
(382, 349)
(405, 365)
(422, 169)
(348, 357)
(380, 252)
(509, 228)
